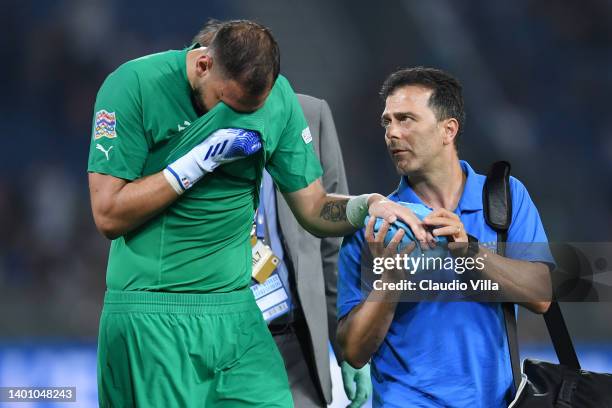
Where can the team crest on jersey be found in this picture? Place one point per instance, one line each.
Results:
(105, 125)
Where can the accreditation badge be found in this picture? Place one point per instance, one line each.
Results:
(264, 261)
(271, 297)
(267, 287)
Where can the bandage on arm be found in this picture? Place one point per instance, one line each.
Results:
(357, 210)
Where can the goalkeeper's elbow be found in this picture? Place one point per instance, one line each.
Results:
(108, 227)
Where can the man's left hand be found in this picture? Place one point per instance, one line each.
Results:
(446, 223)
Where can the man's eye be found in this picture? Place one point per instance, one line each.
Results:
(384, 123)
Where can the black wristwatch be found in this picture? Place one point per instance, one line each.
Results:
(472, 248)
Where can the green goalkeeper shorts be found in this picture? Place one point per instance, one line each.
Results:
(188, 350)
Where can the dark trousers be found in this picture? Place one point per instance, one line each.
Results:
(299, 370)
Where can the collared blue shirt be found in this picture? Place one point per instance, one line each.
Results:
(267, 216)
(443, 354)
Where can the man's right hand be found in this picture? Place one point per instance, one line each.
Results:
(376, 245)
(376, 239)
(223, 146)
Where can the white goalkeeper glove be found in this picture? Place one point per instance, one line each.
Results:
(223, 146)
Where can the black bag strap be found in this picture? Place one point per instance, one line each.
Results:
(561, 339)
(497, 205)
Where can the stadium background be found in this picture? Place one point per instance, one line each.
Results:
(537, 88)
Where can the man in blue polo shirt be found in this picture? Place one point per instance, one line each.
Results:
(438, 354)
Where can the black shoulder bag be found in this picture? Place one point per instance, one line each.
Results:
(541, 384)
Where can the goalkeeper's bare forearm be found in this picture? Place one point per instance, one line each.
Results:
(324, 214)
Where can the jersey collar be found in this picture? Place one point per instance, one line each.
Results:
(471, 198)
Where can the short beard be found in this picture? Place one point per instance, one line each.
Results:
(197, 100)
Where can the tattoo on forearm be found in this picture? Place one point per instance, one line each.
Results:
(334, 211)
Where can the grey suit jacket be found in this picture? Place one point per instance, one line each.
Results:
(315, 260)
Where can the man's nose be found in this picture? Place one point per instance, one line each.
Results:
(392, 131)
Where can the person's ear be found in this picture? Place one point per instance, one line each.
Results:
(450, 128)
(204, 64)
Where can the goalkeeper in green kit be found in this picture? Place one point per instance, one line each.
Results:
(179, 143)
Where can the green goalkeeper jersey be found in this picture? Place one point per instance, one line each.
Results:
(143, 120)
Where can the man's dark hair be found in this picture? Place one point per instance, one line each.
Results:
(246, 52)
(446, 99)
(206, 34)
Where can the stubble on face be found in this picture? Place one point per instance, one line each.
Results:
(197, 99)
(412, 129)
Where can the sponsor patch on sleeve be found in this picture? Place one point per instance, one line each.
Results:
(105, 125)
(306, 136)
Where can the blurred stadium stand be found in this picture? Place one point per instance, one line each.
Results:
(537, 89)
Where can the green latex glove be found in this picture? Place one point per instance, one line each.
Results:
(357, 384)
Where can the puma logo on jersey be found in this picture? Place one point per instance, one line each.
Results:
(103, 150)
(181, 128)
(214, 149)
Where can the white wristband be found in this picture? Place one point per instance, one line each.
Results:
(173, 181)
(357, 209)
(186, 170)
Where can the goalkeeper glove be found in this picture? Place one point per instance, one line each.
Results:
(223, 146)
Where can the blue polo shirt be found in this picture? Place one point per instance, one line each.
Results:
(445, 354)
